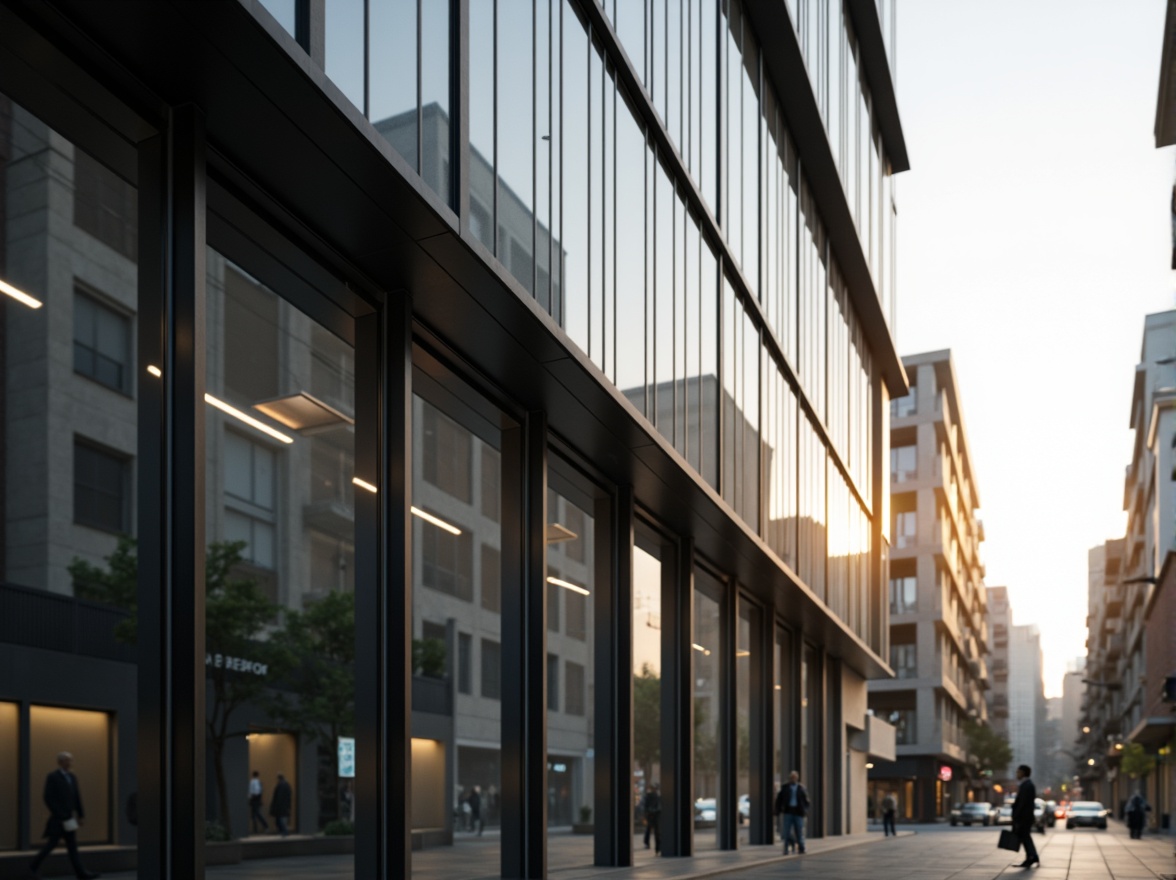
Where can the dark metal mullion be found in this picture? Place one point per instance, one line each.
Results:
(171, 749)
(613, 649)
(367, 67)
(383, 587)
(728, 728)
(24, 789)
(524, 656)
(494, 146)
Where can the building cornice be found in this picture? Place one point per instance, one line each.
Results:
(872, 46)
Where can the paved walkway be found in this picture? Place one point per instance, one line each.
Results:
(935, 852)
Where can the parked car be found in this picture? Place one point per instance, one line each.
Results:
(979, 813)
(1090, 814)
(1051, 813)
(1005, 815)
(704, 813)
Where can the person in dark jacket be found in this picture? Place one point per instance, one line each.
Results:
(475, 802)
(1023, 818)
(280, 805)
(651, 806)
(792, 802)
(1137, 810)
(64, 801)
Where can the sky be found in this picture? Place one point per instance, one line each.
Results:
(1034, 236)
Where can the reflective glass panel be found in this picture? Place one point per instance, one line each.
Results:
(647, 650)
(280, 562)
(705, 653)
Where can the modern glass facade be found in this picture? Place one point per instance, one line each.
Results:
(476, 411)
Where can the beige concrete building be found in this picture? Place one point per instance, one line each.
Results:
(938, 606)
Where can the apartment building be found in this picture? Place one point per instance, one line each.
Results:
(938, 602)
(536, 361)
(1000, 625)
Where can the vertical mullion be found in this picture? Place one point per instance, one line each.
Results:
(420, 25)
(613, 653)
(383, 589)
(728, 728)
(677, 730)
(367, 52)
(171, 751)
(763, 734)
(524, 656)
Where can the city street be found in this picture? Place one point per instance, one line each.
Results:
(924, 852)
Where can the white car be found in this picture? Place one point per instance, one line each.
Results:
(744, 808)
(1091, 814)
(704, 813)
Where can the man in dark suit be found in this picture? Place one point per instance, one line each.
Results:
(280, 804)
(792, 803)
(65, 815)
(1023, 818)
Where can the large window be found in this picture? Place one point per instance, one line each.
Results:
(102, 343)
(105, 206)
(904, 594)
(904, 660)
(102, 488)
(708, 592)
(904, 463)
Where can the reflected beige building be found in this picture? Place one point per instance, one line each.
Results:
(938, 604)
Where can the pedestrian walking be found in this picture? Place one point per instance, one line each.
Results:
(280, 805)
(1137, 810)
(475, 802)
(889, 809)
(651, 806)
(792, 802)
(1023, 817)
(64, 800)
(255, 803)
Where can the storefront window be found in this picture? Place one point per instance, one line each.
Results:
(708, 592)
(647, 687)
(280, 561)
(70, 377)
(457, 610)
(572, 582)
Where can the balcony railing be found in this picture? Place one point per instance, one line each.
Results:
(40, 619)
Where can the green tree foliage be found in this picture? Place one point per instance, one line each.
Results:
(988, 751)
(428, 657)
(1136, 762)
(647, 719)
(115, 584)
(236, 615)
(317, 647)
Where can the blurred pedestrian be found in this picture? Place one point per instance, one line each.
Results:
(1137, 810)
(66, 815)
(651, 805)
(1023, 815)
(475, 802)
(792, 802)
(280, 805)
(889, 809)
(255, 802)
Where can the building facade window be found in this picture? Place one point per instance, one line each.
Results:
(491, 669)
(102, 488)
(905, 528)
(574, 690)
(902, 407)
(904, 661)
(904, 463)
(250, 498)
(904, 595)
(102, 343)
(904, 721)
(447, 560)
(465, 663)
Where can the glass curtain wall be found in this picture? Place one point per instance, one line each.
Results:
(571, 585)
(786, 711)
(280, 560)
(70, 376)
(393, 60)
(743, 660)
(708, 595)
(457, 650)
(647, 687)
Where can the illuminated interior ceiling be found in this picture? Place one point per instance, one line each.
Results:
(303, 411)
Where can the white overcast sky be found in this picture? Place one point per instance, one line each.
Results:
(1034, 236)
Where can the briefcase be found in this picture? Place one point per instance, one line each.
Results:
(1008, 840)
